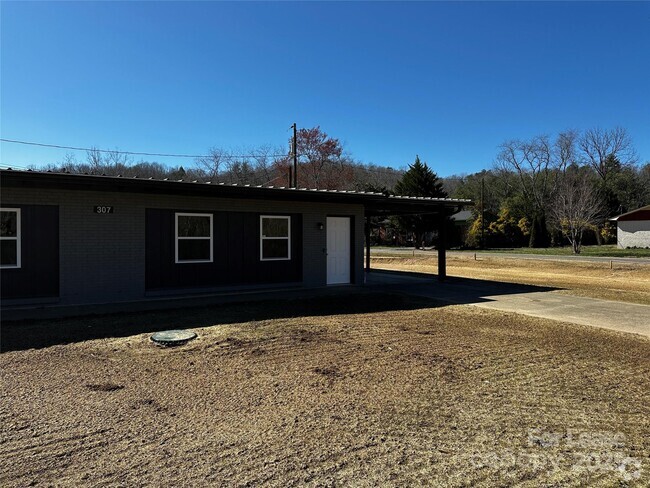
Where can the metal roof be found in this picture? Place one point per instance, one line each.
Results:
(372, 200)
(642, 213)
(462, 216)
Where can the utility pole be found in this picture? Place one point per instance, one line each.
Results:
(294, 151)
(482, 212)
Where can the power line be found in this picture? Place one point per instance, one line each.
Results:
(133, 153)
(386, 170)
(12, 166)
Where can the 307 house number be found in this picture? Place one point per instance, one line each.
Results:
(103, 209)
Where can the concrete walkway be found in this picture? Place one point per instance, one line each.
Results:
(529, 300)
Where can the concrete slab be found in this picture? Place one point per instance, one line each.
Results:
(535, 301)
(624, 317)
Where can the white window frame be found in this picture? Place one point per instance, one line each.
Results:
(178, 238)
(288, 238)
(18, 239)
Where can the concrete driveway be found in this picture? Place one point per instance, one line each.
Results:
(526, 299)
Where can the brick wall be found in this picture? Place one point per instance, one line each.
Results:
(102, 255)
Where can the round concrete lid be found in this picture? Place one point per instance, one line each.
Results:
(173, 337)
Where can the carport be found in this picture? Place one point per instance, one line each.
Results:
(392, 205)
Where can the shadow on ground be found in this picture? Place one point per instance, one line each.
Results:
(384, 292)
(460, 291)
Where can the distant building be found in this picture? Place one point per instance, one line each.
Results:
(462, 222)
(464, 217)
(633, 228)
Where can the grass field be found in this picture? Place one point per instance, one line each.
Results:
(596, 251)
(627, 282)
(608, 251)
(395, 391)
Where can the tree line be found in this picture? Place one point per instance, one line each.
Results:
(539, 192)
(323, 163)
(549, 191)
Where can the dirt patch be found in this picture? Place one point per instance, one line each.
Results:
(104, 387)
(625, 282)
(446, 396)
(329, 371)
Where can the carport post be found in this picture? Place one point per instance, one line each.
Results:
(442, 247)
(367, 229)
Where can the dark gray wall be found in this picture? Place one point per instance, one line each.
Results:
(38, 275)
(102, 256)
(236, 253)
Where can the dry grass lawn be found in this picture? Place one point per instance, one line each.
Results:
(627, 282)
(395, 392)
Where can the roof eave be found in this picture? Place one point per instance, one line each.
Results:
(29, 179)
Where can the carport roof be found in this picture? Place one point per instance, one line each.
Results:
(374, 203)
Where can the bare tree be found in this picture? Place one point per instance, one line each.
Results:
(108, 162)
(69, 163)
(117, 159)
(371, 177)
(240, 170)
(242, 166)
(213, 164)
(264, 160)
(534, 164)
(565, 149)
(576, 206)
(597, 145)
(94, 160)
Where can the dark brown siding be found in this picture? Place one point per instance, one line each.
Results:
(236, 253)
(38, 275)
(641, 214)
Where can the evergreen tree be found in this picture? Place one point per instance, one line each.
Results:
(419, 181)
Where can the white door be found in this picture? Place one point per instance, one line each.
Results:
(338, 250)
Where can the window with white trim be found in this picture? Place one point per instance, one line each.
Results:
(193, 238)
(10, 238)
(275, 238)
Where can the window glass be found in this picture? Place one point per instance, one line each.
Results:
(194, 249)
(275, 227)
(8, 224)
(275, 249)
(193, 238)
(10, 238)
(275, 241)
(8, 253)
(193, 226)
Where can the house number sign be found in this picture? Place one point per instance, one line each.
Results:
(103, 209)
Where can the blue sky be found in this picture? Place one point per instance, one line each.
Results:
(447, 81)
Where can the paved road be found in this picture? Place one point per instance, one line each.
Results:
(529, 300)
(507, 255)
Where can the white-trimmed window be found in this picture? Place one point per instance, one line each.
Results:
(10, 238)
(275, 238)
(193, 238)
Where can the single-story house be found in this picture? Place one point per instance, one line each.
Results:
(72, 240)
(462, 222)
(633, 228)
